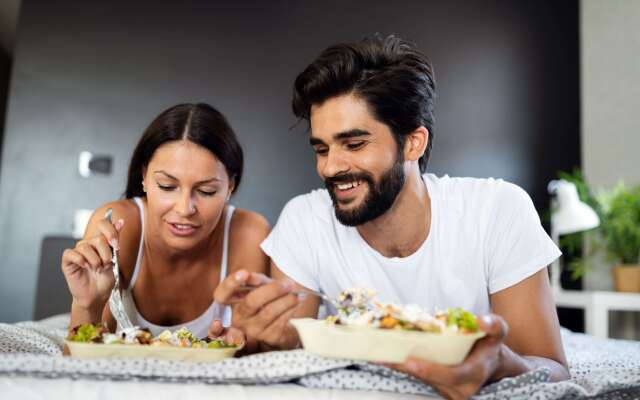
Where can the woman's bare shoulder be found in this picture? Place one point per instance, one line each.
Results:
(249, 222)
(125, 209)
(248, 230)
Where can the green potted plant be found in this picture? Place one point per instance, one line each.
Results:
(620, 232)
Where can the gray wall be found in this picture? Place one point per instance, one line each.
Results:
(5, 73)
(91, 75)
(610, 43)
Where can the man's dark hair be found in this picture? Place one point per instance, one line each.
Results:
(199, 123)
(391, 75)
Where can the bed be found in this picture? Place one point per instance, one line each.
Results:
(32, 366)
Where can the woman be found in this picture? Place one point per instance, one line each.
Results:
(177, 236)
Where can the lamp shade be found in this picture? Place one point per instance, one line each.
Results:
(570, 215)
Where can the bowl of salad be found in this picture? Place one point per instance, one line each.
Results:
(365, 329)
(95, 341)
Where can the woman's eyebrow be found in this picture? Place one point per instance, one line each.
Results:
(166, 174)
(212, 179)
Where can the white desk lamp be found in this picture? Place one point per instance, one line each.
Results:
(568, 215)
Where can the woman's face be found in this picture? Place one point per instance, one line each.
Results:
(187, 188)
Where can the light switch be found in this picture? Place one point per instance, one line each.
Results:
(90, 164)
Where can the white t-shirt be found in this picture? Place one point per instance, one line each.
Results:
(485, 236)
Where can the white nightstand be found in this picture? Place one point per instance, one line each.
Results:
(596, 306)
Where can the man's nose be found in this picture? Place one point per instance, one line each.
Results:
(334, 164)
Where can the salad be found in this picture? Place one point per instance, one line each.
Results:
(97, 333)
(358, 307)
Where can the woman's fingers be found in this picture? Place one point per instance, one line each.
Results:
(103, 249)
(71, 258)
(111, 232)
(235, 336)
(215, 329)
(90, 254)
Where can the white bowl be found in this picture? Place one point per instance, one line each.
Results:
(383, 345)
(98, 350)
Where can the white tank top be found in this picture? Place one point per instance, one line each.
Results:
(199, 326)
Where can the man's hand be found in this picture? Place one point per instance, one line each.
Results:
(464, 380)
(262, 313)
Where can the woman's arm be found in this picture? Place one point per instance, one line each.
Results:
(87, 267)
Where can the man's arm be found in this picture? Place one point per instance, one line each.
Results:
(534, 331)
(522, 335)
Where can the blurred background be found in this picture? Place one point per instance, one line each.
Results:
(525, 89)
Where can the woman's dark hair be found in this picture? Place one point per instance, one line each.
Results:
(391, 75)
(199, 123)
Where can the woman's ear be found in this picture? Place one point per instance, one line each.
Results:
(232, 187)
(144, 173)
(416, 144)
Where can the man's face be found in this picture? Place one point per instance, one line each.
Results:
(357, 157)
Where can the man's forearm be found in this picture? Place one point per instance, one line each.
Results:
(512, 364)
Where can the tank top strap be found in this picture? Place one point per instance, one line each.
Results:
(134, 276)
(225, 242)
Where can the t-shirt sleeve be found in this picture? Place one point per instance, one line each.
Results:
(290, 243)
(518, 244)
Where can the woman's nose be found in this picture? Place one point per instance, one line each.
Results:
(186, 205)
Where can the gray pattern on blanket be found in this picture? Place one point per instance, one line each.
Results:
(600, 368)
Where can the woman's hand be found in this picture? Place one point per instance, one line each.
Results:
(230, 335)
(87, 267)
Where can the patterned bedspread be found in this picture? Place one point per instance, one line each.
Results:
(607, 369)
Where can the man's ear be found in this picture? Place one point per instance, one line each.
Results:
(416, 144)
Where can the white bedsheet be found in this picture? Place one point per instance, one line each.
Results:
(31, 366)
(68, 389)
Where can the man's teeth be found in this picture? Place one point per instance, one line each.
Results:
(349, 185)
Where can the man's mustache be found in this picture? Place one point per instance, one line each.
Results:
(344, 178)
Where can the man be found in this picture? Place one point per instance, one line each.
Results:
(382, 223)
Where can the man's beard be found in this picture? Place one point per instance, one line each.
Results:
(379, 199)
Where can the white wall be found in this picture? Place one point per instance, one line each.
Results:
(610, 82)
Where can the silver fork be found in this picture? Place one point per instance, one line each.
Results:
(331, 304)
(115, 300)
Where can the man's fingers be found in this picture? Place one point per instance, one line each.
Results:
(260, 297)
(432, 373)
(257, 279)
(274, 310)
(233, 287)
(273, 334)
(494, 325)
